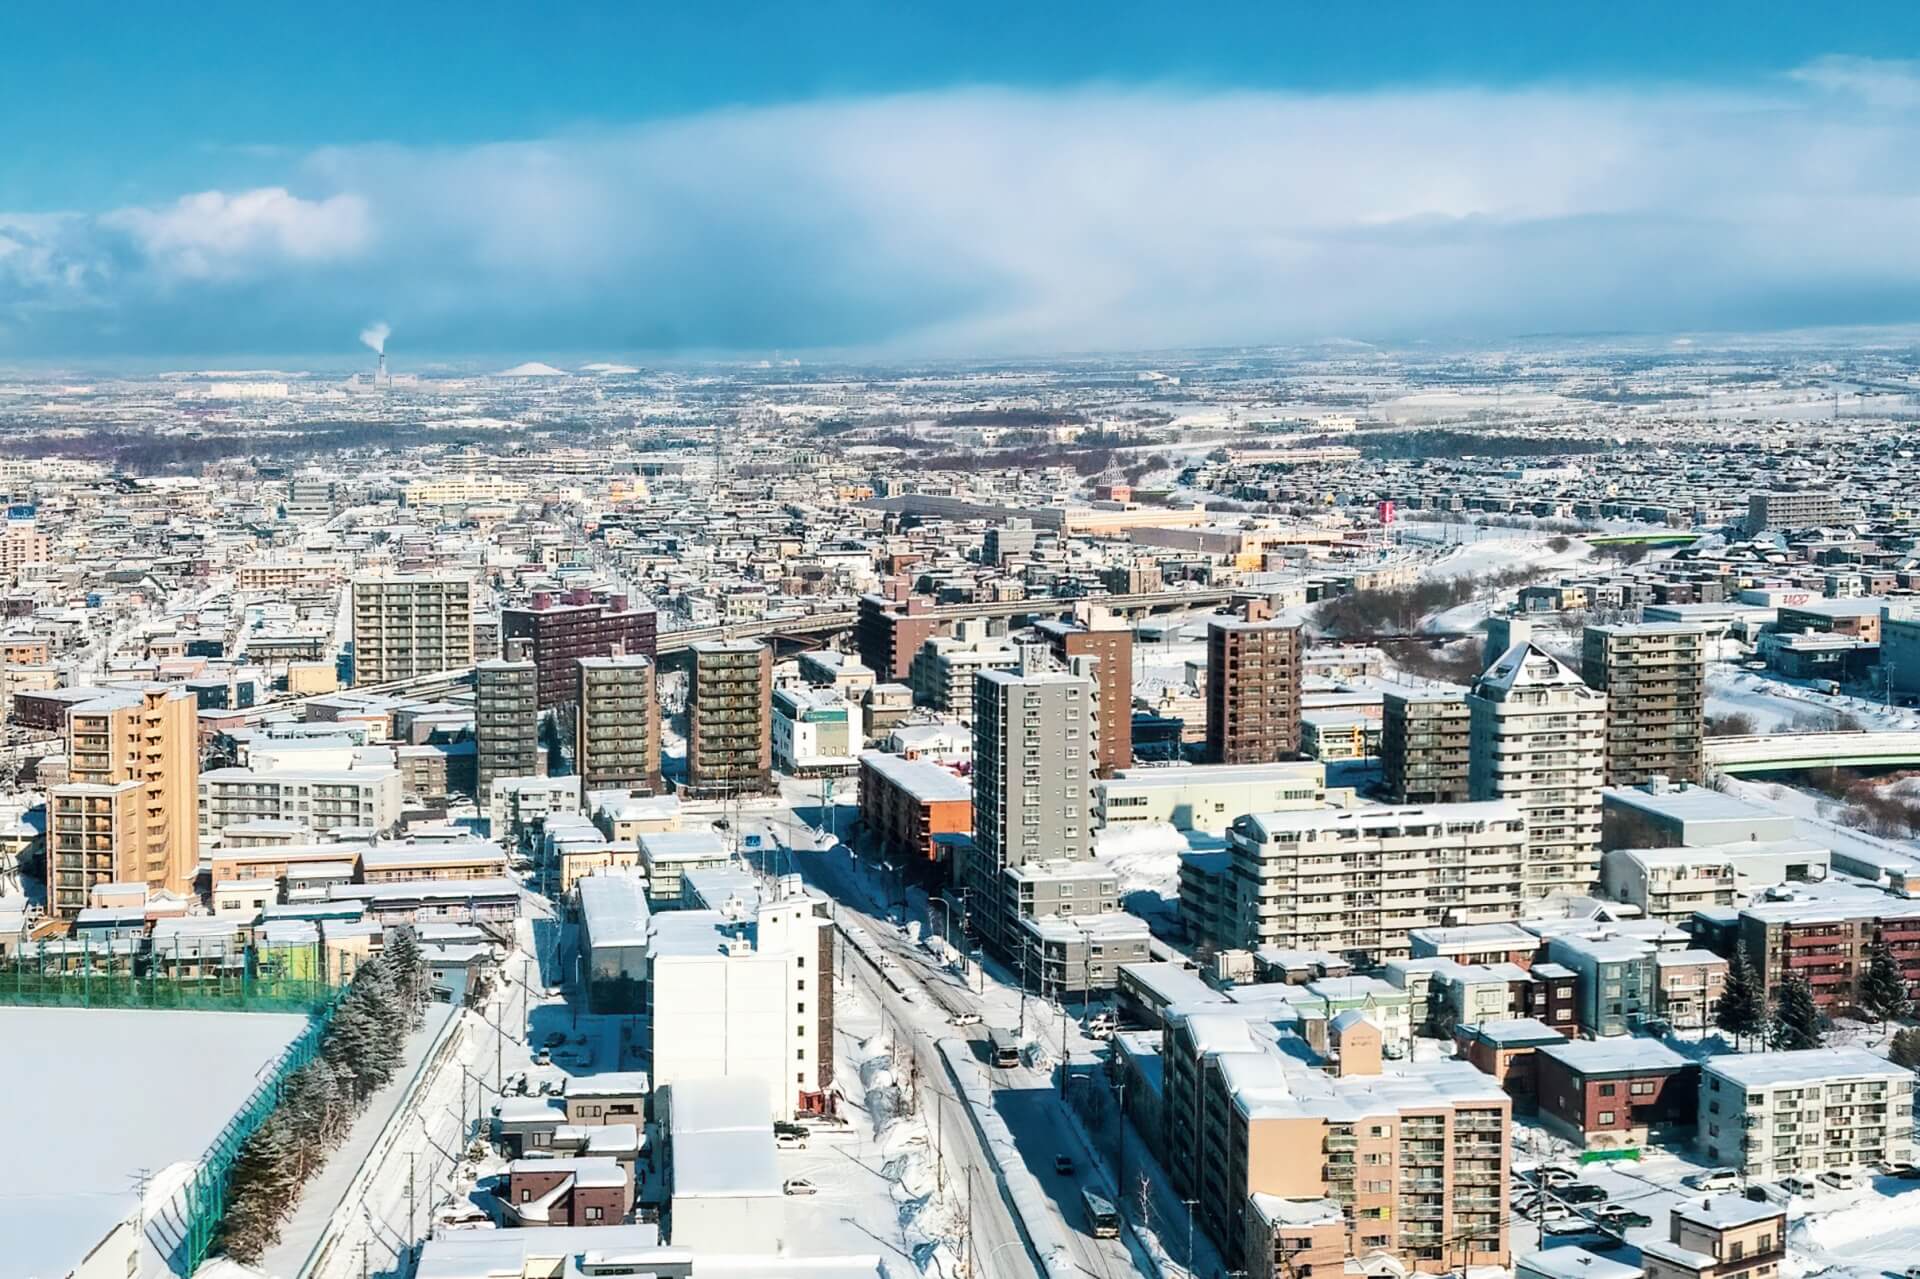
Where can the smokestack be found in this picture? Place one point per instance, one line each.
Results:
(382, 374)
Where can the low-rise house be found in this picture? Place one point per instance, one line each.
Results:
(583, 1191)
(1724, 1237)
(1613, 1094)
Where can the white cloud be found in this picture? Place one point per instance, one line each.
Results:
(214, 235)
(993, 220)
(1883, 82)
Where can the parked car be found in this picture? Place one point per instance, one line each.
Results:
(554, 1040)
(543, 1057)
(1553, 1175)
(1063, 1164)
(789, 1141)
(1798, 1186)
(965, 1019)
(1580, 1192)
(1619, 1216)
(1713, 1179)
(1905, 1172)
(1840, 1178)
(799, 1186)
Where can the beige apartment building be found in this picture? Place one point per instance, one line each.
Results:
(286, 575)
(1539, 739)
(1415, 1163)
(944, 669)
(1655, 678)
(1426, 738)
(1722, 1237)
(1355, 882)
(127, 811)
(409, 625)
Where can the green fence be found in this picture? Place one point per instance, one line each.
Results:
(81, 974)
(205, 1196)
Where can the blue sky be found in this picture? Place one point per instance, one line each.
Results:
(943, 179)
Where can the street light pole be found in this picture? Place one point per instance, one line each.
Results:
(1189, 1203)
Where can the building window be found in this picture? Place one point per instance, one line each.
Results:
(799, 1054)
(596, 1214)
(1605, 1117)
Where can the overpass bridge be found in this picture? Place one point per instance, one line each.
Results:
(1779, 752)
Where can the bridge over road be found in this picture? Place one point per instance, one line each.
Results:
(1777, 752)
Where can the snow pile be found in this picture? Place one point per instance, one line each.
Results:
(1145, 855)
(1841, 1228)
(929, 1223)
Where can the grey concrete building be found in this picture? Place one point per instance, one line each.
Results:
(1426, 737)
(1655, 677)
(506, 722)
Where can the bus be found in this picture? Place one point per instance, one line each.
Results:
(1101, 1215)
(1003, 1048)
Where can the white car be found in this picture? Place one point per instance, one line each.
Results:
(1713, 1179)
(965, 1019)
(799, 1186)
(790, 1141)
(1840, 1178)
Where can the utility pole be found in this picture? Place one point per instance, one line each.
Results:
(1189, 1203)
(412, 1225)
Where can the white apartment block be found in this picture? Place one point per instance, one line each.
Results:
(1209, 796)
(944, 669)
(319, 799)
(739, 992)
(1539, 739)
(1356, 882)
(516, 805)
(1772, 1114)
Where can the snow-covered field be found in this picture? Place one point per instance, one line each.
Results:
(97, 1098)
(1776, 706)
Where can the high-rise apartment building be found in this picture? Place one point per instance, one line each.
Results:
(410, 625)
(1035, 734)
(617, 733)
(1425, 740)
(889, 630)
(1539, 739)
(1096, 634)
(559, 634)
(1655, 677)
(730, 718)
(1253, 691)
(129, 810)
(506, 722)
(1355, 882)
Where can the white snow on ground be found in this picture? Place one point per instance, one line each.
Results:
(1146, 857)
(1776, 706)
(878, 1187)
(98, 1096)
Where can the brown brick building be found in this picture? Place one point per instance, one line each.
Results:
(1253, 692)
(1112, 645)
(568, 1192)
(890, 628)
(906, 803)
(560, 634)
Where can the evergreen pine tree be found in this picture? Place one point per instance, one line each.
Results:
(402, 954)
(265, 1182)
(1796, 1019)
(1904, 1049)
(1883, 990)
(1743, 1004)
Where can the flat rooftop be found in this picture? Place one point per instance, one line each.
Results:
(96, 1119)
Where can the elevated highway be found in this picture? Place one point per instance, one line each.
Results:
(1776, 752)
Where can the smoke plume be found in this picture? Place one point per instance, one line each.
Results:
(376, 335)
